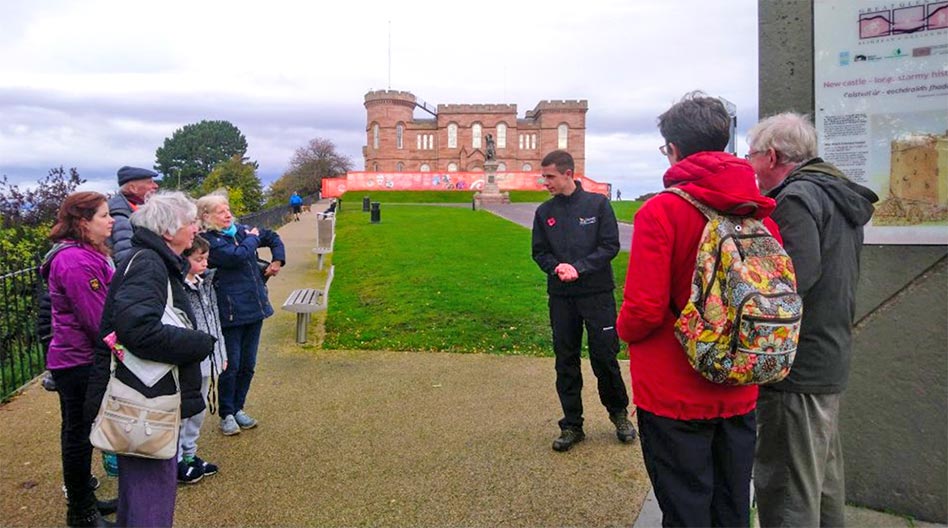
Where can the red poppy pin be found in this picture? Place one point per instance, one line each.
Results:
(551, 221)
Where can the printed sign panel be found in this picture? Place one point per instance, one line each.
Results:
(881, 75)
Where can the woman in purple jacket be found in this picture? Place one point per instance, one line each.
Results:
(78, 270)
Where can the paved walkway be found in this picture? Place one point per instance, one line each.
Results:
(374, 438)
(366, 438)
(522, 213)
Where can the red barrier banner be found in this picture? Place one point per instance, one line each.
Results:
(442, 181)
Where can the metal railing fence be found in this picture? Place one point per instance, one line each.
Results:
(22, 356)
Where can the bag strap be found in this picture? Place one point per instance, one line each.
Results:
(711, 213)
(708, 212)
(174, 369)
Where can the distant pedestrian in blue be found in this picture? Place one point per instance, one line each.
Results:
(296, 203)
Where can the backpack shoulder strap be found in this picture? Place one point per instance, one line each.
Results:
(708, 212)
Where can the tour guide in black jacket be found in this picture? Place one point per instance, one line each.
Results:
(575, 238)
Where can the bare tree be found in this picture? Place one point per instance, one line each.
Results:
(311, 163)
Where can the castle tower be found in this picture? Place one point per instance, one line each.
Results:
(388, 116)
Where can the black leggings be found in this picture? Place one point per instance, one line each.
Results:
(71, 385)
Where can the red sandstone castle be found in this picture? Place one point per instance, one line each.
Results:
(454, 137)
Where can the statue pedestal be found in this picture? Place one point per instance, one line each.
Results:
(491, 194)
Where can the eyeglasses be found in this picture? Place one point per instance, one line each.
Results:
(663, 149)
(753, 153)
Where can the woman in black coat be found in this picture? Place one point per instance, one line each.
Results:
(163, 228)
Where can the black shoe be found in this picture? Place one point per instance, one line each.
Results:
(86, 518)
(625, 432)
(207, 468)
(568, 438)
(107, 507)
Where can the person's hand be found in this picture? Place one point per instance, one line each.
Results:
(273, 269)
(224, 367)
(566, 272)
(253, 231)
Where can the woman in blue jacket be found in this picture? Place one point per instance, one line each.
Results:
(242, 300)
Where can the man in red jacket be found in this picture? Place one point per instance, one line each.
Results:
(697, 436)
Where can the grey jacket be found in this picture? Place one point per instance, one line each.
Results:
(821, 215)
(121, 239)
(203, 300)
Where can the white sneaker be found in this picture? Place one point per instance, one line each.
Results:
(244, 420)
(229, 426)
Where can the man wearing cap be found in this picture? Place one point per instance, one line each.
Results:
(136, 185)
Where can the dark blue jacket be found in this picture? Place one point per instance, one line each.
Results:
(241, 293)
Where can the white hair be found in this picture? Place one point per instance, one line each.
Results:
(791, 135)
(206, 205)
(165, 213)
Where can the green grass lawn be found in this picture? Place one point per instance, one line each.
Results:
(438, 279)
(626, 209)
(529, 196)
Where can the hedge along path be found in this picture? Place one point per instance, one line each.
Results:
(366, 438)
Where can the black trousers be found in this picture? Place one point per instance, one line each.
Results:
(568, 315)
(71, 385)
(700, 469)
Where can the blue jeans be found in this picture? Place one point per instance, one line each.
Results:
(234, 384)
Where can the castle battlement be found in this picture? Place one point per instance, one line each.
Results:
(396, 96)
(477, 108)
(559, 105)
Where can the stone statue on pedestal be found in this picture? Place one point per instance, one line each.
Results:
(491, 152)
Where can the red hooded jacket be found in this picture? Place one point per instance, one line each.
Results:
(661, 267)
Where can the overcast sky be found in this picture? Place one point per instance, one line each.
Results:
(101, 83)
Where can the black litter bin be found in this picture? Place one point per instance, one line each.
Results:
(376, 214)
(365, 204)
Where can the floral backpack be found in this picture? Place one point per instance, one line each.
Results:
(742, 322)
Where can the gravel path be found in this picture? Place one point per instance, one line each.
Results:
(362, 438)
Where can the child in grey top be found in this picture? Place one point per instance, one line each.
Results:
(200, 290)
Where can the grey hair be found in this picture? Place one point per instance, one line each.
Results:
(791, 135)
(165, 213)
(206, 205)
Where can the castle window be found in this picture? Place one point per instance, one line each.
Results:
(533, 141)
(501, 166)
(399, 132)
(424, 142)
(452, 167)
(501, 135)
(399, 167)
(424, 167)
(527, 167)
(375, 136)
(521, 141)
(452, 135)
(376, 167)
(476, 135)
(562, 133)
(418, 137)
(430, 141)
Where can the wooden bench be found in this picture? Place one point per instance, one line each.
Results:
(306, 301)
(325, 237)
